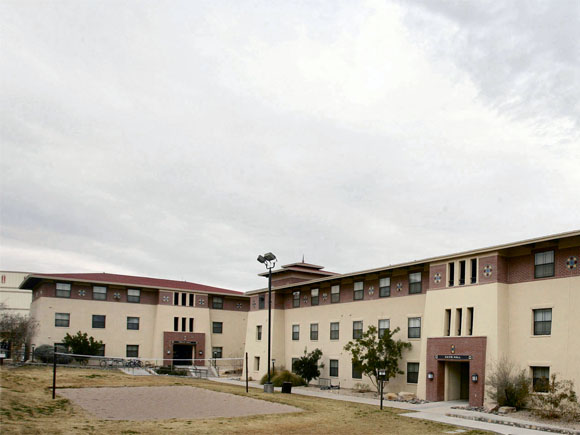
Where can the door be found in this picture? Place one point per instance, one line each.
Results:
(182, 354)
(464, 388)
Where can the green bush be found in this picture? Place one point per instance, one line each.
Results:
(45, 354)
(508, 385)
(559, 400)
(170, 371)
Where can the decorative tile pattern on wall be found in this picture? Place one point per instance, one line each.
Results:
(305, 299)
(82, 292)
(324, 296)
(371, 290)
(399, 286)
(437, 278)
(117, 295)
(165, 298)
(239, 305)
(487, 270)
(572, 262)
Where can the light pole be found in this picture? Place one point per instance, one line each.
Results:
(269, 260)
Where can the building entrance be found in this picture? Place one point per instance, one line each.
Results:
(183, 354)
(457, 376)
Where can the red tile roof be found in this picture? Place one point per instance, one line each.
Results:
(138, 281)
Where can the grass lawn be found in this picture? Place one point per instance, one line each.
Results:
(27, 407)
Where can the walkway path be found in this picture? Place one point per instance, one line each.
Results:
(434, 411)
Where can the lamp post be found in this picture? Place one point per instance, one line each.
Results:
(269, 260)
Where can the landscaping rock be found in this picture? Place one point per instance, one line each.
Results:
(391, 396)
(506, 409)
(403, 395)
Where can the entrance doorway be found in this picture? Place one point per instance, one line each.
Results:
(457, 385)
(183, 354)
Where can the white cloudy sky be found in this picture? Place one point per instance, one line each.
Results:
(180, 139)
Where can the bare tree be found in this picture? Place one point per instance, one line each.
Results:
(16, 329)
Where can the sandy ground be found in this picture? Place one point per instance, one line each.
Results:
(153, 403)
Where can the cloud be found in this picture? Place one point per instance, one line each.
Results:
(183, 142)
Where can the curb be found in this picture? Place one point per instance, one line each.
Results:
(517, 424)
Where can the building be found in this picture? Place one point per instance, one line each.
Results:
(172, 321)
(12, 297)
(460, 312)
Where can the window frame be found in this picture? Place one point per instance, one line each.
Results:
(64, 293)
(296, 299)
(337, 330)
(56, 321)
(383, 329)
(258, 332)
(134, 298)
(314, 300)
(220, 352)
(261, 302)
(410, 328)
(217, 303)
(542, 266)
(333, 366)
(295, 332)
(220, 327)
(134, 349)
(314, 332)
(413, 285)
(539, 326)
(104, 321)
(356, 372)
(536, 379)
(384, 290)
(335, 295)
(358, 294)
(357, 333)
(102, 296)
(412, 376)
(138, 323)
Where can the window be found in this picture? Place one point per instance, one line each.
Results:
(217, 327)
(100, 293)
(357, 329)
(217, 303)
(384, 324)
(62, 290)
(133, 323)
(259, 332)
(314, 296)
(334, 367)
(543, 321)
(334, 330)
(544, 264)
(294, 361)
(458, 319)
(447, 327)
(191, 324)
(191, 299)
(473, 270)
(414, 330)
(296, 299)
(62, 320)
(541, 379)
(261, 302)
(359, 290)
(101, 351)
(134, 295)
(295, 332)
(176, 324)
(356, 372)
(132, 351)
(451, 274)
(412, 373)
(415, 282)
(335, 294)
(462, 272)
(470, 321)
(384, 287)
(314, 331)
(256, 363)
(217, 352)
(183, 324)
(98, 321)
(183, 299)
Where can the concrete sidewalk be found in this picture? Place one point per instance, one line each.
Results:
(433, 411)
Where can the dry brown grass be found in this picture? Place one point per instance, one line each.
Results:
(27, 407)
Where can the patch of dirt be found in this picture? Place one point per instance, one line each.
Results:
(161, 403)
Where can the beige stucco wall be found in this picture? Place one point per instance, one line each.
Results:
(13, 298)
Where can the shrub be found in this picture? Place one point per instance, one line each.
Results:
(279, 376)
(307, 366)
(45, 354)
(170, 371)
(508, 385)
(273, 373)
(559, 400)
